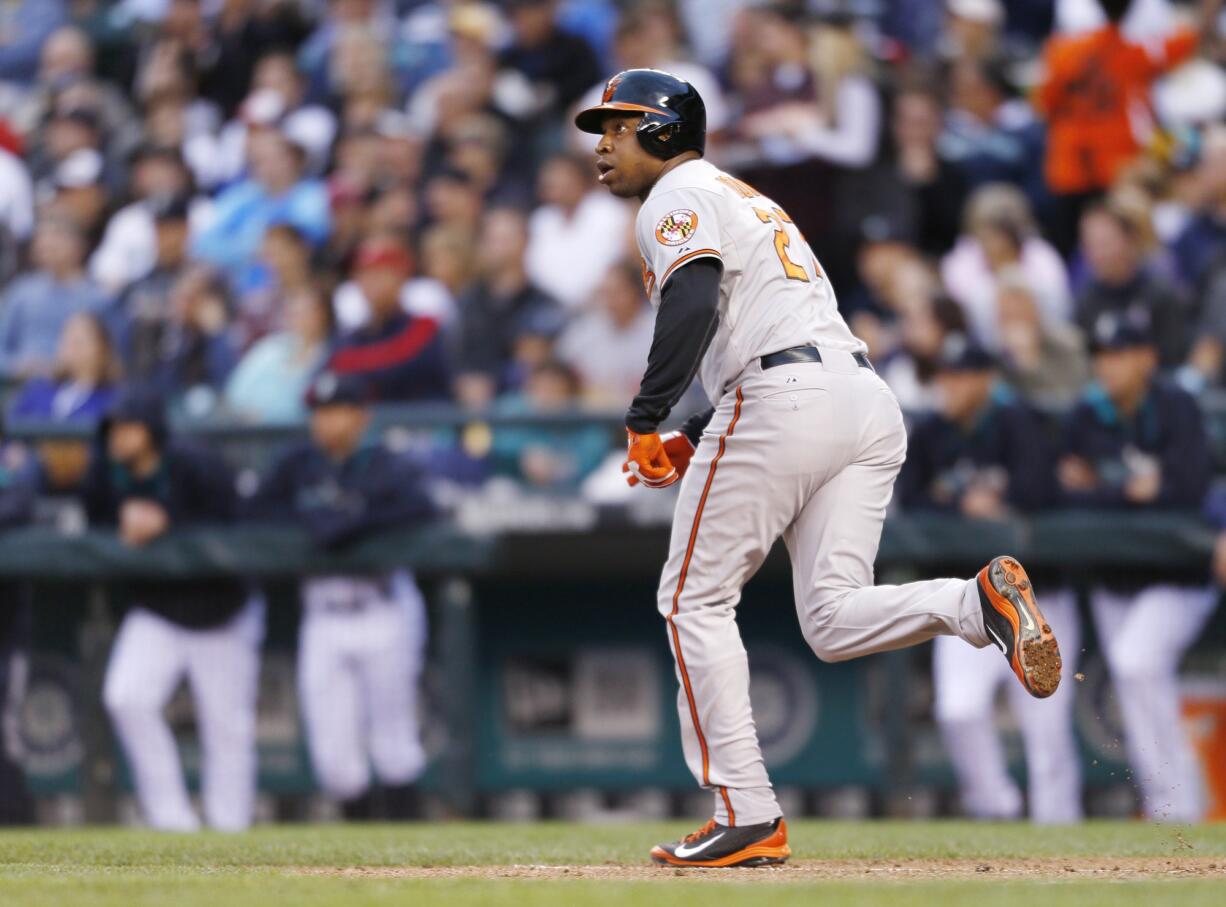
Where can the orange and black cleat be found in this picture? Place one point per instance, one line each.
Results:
(1015, 623)
(716, 845)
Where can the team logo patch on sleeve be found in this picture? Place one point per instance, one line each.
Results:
(677, 226)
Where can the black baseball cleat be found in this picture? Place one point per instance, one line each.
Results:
(716, 845)
(1015, 623)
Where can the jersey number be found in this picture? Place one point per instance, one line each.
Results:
(778, 218)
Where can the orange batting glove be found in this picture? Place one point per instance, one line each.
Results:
(678, 449)
(647, 461)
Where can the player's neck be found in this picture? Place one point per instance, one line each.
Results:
(671, 164)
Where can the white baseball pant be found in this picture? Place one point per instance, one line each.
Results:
(222, 665)
(808, 452)
(1143, 636)
(965, 684)
(358, 677)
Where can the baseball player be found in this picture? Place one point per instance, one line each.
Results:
(362, 641)
(985, 455)
(1136, 441)
(144, 483)
(803, 441)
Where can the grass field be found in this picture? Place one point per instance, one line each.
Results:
(834, 863)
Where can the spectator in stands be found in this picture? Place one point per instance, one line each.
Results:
(1092, 87)
(37, 304)
(453, 199)
(128, 250)
(274, 193)
(554, 458)
(283, 269)
(559, 65)
(27, 24)
(144, 484)
(910, 368)
(1201, 245)
(447, 256)
(400, 355)
(1116, 241)
(973, 28)
(990, 133)
(82, 384)
(619, 323)
(276, 99)
(502, 297)
(269, 383)
(842, 123)
(933, 189)
(190, 352)
(363, 637)
(1000, 236)
(569, 249)
(144, 309)
(1136, 442)
(1045, 362)
(16, 199)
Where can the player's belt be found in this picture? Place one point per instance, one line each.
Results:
(796, 354)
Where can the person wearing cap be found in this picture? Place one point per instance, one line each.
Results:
(1136, 442)
(36, 305)
(560, 66)
(142, 483)
(985, 455)
(363, 636)
(399, 354)
(495, 307)
(1117, 244)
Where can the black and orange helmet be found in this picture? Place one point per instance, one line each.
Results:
(674, 116)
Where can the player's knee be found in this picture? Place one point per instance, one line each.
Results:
(125, 701)
(1138, 664)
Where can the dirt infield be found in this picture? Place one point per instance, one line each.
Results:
(799, 871)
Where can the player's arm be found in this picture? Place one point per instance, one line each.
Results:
(685, 323)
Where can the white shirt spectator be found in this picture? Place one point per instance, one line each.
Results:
(568, 256)
(16, 196)
(128, 250)
(973, 285)
(613, 376)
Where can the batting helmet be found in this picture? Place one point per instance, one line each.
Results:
(674, 116)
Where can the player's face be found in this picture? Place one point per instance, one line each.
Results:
(963, 394)
(1124, 374)
(128, 441)
(625, 168)
(338, 429)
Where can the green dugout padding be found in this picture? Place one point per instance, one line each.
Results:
(549, 668)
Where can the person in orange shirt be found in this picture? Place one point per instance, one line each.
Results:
(1095, 95)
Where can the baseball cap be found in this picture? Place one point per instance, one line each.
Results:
(1124, 330)
(331, 389)
(383, 254)
(960, 353)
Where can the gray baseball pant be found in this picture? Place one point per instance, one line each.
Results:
(809, 452)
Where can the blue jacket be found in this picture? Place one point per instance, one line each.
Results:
(943, 458)
(1166, 426)
(339, 502)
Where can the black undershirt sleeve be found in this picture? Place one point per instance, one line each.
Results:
(685, 324)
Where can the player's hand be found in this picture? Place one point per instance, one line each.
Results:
(647, 461)
(141, 521)
(679, 451)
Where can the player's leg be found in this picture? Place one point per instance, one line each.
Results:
(1143, 638)
(146, 664)
(1053, 764)
(965, 682)
(729, 513)
(390, 676)
(833, 544)
(329, 694)
(224, 668)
